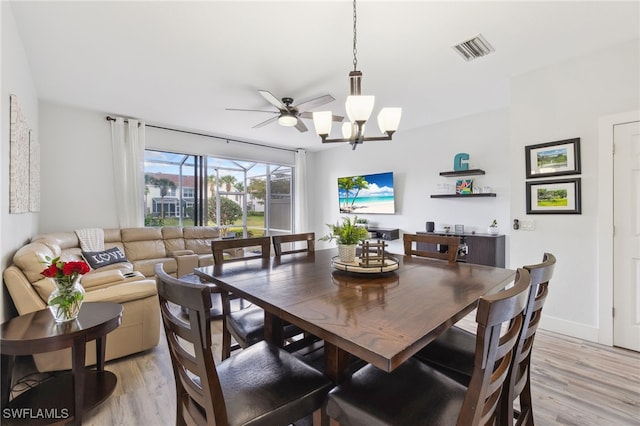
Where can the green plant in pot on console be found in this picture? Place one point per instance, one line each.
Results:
(348, 234)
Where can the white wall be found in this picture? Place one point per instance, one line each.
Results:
(15, 229)
(78, 182)
(558, 102)
(77, 172)
(416, 157)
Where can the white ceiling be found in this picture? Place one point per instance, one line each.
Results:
(180, 64)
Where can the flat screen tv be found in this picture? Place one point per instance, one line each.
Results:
(367, 194)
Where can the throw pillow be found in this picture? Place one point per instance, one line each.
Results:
(98, 259)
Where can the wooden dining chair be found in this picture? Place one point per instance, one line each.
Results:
(289, 241)
(246, 326)
(308, 237)
(415, 393)
(246, 246)
(453, 351)
(430, 246)
(263, 385)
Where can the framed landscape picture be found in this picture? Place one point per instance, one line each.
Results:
(554, 197)
(553, 158)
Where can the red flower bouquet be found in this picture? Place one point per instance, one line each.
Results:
(65, 301)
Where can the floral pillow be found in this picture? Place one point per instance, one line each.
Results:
(98, 259)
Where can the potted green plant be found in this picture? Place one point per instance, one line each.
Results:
(348, 234)
(493, 228)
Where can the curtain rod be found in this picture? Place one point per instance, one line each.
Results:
(109, 118)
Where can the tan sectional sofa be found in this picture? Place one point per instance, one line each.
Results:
(180, 249)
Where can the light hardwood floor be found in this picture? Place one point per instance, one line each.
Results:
(574, 383)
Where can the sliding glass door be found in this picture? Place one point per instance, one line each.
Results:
(243, 198)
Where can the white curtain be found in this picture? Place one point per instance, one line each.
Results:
(127, 141)
(301, 211)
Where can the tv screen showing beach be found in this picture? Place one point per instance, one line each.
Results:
(367, 194)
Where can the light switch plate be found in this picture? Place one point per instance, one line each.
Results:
(527, 225)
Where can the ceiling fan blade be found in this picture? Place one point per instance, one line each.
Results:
(264, 123)
(252, 110)
(309, 115)
(300, 126)
(316, 102)
(272, 99)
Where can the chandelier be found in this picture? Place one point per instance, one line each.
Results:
(359, 109)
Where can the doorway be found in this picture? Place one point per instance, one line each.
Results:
(605, 222)
(626, 236)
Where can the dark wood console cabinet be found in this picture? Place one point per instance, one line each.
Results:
(483, 249)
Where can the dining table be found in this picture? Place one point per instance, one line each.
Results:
(382, 318)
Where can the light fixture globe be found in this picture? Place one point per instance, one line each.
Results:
(389, 119)
(288, 120)
(359, 108)
(322, 121)
(348, 130)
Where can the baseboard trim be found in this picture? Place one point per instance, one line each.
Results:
(570, 328)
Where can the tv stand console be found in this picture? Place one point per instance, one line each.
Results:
(387, 234)
(482, 249)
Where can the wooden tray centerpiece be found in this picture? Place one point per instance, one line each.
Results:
(372, 260)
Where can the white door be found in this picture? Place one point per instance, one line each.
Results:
(626, 240)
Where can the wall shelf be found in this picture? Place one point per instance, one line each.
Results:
(484, 194)
(469, 172)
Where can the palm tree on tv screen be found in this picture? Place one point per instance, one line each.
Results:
(346, 185)
(359, 183)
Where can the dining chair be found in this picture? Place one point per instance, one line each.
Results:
(429, 246)
(308, 237)
(452, 352)
(415, 393)
(263, 385)
(246, 326)
(246, 246)
(289, 241)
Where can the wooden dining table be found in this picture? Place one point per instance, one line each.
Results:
(381, 318)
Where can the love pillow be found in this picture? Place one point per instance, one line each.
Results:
(98, 259)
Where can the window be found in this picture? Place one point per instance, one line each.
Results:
(243, 198)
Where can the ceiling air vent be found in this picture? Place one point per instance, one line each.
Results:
(474, 48)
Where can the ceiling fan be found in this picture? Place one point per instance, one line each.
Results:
(288, 114)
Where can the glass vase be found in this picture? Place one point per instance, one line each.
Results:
(65, 301)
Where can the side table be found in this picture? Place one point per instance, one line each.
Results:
(68, 395)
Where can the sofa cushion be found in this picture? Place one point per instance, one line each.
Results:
(31, 259)
(141, 234)
(63, 240)
(98, 259)
(173, 240)
(143, 243)
(198, 238)
(44, 287)
(145, 266)
(122, 293)
(112, 235)
(97, 279)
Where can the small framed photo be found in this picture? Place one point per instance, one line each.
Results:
(554, 197)
(553, 158)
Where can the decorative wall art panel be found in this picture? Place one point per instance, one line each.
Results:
(19, 160)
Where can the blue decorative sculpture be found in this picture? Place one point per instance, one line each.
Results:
(458, 165)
